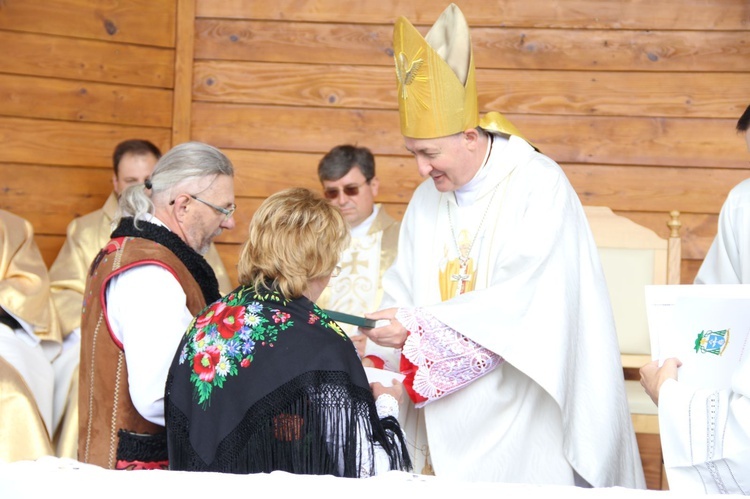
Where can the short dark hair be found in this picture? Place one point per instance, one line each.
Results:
(744, 122)
(339, 160)
(136, 147)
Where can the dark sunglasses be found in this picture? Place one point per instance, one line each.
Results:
(349, 190)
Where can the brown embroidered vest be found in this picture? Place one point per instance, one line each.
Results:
(107, 420)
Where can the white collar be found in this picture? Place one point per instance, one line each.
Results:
(364, 227)
(468, 194)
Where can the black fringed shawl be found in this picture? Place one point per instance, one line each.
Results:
(194, 261)
(261, 384)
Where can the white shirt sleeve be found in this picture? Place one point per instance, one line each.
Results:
(705, 436)
(726, 261)
(148, 313)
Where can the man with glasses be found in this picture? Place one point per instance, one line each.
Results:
(133, 161)
(348, 176)
(143, 290)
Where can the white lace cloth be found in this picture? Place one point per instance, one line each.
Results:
(446, 360)
(386, 405)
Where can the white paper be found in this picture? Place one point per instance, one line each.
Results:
(705, 326)
(383, 376)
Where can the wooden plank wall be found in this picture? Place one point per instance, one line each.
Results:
(637, 102)
(76, 78)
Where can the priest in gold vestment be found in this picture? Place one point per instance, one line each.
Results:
(133, 161)
(29, 341)
(347, 173)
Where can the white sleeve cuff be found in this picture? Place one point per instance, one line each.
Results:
(386, 405)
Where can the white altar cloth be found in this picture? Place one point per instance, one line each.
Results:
(52, 477)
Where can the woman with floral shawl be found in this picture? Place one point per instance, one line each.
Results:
(264, 380)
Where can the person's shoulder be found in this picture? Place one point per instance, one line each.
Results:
(13, 221)
(529, 160)
(738, 198)
(84, 223)
(385, 220)
(741, 190)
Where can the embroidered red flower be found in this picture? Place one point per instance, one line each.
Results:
(245, 362)
(228, 320)
(203, 320)
(313, 318)
(280, 316)
(204, 363)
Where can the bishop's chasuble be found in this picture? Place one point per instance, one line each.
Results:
(548, 405)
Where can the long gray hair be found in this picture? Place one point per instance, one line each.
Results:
(183, 163)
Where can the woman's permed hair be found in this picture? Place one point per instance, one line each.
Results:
(294, 237)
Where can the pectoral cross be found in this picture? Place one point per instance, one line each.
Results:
(462, 277)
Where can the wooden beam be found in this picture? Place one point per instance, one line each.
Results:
(143, 22)
(36, 54)
(570, 14)
(183, 71)
(84, 101)
(554, 48)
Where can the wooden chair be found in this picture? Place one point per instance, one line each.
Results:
(632, 257)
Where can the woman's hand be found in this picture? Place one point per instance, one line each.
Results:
(396, 390)
(360, 343)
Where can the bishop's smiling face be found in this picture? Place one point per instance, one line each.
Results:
(447, 160)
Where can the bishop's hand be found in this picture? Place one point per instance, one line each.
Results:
(391, 335)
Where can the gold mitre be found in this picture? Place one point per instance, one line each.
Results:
(437, 91)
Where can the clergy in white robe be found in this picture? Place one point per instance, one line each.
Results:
(347, 174)
(497, 294)
(705, 433)
(547, 402)
(727, 259)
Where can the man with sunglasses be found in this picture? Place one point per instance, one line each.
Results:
(347, 174)
(133, 160)
(143, 290)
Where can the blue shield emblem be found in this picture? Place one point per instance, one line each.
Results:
(713, 342)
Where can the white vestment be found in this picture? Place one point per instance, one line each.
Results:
(372, 248)
(728, 258)
(705, 436)
(555, 411)
(357, 289)
(32, 360)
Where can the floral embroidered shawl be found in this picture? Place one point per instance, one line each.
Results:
(260, 384)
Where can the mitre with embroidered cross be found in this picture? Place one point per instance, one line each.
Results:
(437, 91)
